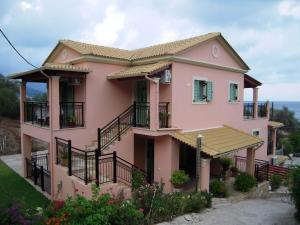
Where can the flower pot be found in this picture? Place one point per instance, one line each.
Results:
(178, 186)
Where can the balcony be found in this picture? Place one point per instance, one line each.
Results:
(36, 113)
(255, 110)
(71, 114)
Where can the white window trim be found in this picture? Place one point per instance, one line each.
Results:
(201, 79)
(238, 92)
(256, 130)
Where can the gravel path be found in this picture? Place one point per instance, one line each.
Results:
(249, 212)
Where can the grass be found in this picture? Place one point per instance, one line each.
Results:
(13, 188)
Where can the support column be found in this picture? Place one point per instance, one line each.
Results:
(154, 104)
(250, 163)
(205, 174)
(274, 131)
(255, 101)
(268, 109)
(22, 100)
(54, 106)
(26, 151)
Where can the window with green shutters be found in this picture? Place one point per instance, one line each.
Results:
(233, 92)
(203, 91)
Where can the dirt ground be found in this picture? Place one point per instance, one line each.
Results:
(273, 211)
(11, 129)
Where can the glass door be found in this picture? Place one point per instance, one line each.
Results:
(142, 105)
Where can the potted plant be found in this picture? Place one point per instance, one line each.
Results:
(225, 162)
(234, 171)
(71, 121)
(179, 178)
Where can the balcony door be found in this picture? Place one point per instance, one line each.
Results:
(142, 105)
(67, 102)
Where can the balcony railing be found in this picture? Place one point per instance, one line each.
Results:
(262, 110)
(249, 110)
(36, 113)
(71, 114)
(163, 114)
(142, 114)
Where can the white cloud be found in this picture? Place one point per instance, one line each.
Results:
(107, 31)
(289, 8)
(25, 5)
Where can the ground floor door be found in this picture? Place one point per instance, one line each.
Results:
(187, 160)
(150, 158)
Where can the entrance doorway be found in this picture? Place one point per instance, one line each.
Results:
(187, 160)
(150, 158)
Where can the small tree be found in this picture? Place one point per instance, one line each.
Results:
(296, 191)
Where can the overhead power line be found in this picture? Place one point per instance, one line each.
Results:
(16, 50)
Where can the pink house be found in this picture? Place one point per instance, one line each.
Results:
(111, 112)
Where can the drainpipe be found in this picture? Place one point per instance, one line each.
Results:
(51, 131)
(198, 162)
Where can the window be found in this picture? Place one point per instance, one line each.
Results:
(233, 92)
(202, 91)
(255, 133)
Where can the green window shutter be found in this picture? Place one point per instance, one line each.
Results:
(209, 91)
(231, 92)
(196, 91)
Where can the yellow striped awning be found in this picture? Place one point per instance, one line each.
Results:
(275, 124)
(219, 141)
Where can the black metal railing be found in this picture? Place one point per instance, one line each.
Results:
(36, 113)
(142, 114)
(41, 159)
(262, 110)
(39, 175)
(71, 114)
(90, 166)
(164, 114)
(249, 110)
(137, 115)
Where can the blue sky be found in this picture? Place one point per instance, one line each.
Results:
(265, 33)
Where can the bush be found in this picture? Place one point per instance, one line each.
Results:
(244, 182)
(295, 175)
(195, 202)
(218, 189)
(226, 162)
(179, 177)
(138, 179)
(276, 181)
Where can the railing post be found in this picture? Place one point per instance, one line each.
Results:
(115, 167)
(167, 115)
(42, 178)
(134, 114)
(34, 173)
(86, 168)
(97, 166)
(69, 158)
(41, 111)
(47, 161)
(99, 141)
(32, 112)
(82, 114)
(119, 129)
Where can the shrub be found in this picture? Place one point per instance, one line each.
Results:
(244, 182)
(276, 181)
(195, 202)
(179, 177)
(295, 175)
(218, 189)
(138, 179)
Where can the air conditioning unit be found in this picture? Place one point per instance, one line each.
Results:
(166, 77)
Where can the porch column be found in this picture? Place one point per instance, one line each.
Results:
(154, 104)
(22, 100)
(268, 109)
(250, 163)
(205, 174)
(26, 151)
(255, 101)
(274, 131)
(54, 102)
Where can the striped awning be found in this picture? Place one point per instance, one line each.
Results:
(275, 124)
(219, 141)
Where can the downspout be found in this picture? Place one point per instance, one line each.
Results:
(51, 130)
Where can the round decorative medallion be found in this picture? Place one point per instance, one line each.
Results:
(215, 51)
(65, 54)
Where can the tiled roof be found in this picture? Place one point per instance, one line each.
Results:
(136, 71)
(51, 66)
(169, 48)
(275, 124)
(218, 141)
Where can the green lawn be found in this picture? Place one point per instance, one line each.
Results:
(13, 188)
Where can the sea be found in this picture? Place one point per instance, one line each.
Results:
(292, 106)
